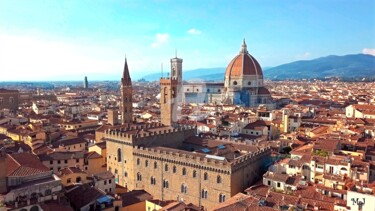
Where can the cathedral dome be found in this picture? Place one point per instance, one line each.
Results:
(244, 65)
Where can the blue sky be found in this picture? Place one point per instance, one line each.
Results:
(66, 40)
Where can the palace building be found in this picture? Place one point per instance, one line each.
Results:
(243, 85)
(170, 162)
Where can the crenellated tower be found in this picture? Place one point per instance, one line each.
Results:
(168, 100)
(126, 106)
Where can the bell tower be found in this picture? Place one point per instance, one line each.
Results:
(126, 105)
(168, 104)
(176, 73)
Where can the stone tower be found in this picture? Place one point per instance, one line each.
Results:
(168, 98)
(126, 106)
(176, 72)
(112, 116)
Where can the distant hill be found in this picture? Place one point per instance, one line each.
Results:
(348, 66)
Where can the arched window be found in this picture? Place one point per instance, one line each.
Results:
(155, 165)
(221, 197)
(218, 179)
(119, 155)
(146, 163)
(166, 167)
(183, 188)
(138, 161)
(139, 176)
(205, 177)
(153, 181)
(184, 171)
(194, 174)
(234, 82)
(174, 169)
(165, 184)
(204, 194)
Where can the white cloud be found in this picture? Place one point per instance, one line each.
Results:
(194, 31)
(160, 39)
(305, 55)
(31, 58)
(369, 51)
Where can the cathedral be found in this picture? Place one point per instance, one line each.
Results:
(243, 85)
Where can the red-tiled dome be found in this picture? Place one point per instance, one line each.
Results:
(243, 64)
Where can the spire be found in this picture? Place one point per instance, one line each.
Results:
(243, 47)
(126, 80)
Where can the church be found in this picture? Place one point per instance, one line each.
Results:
(243, 85)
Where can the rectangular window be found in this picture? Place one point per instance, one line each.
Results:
(66, 161)
(51, 162)
(77, 160)
(269, 183)
(58, 162)
(109, 181)
(278, 184)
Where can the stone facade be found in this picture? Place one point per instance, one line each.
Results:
(9, 99)
(167, 171)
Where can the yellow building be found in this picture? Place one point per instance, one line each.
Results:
(94, 163)
(72, 175)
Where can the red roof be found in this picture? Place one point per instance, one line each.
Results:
(24, 164)
(243, 64)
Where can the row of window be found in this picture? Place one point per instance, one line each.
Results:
(248, 83)
(59, 161)
(11, 100)
(208, 90)
(184, 171)
(204, 194)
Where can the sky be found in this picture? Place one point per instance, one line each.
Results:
(67, 40)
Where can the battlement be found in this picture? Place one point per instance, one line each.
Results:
(168, 81)
(182, 157)
(143, 131)
(199, 158)
(252, 155)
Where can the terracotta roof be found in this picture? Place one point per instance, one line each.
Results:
(67, 142)
(70, 170)
(24, 164)
(92, 155)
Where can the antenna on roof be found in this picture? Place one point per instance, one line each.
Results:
(162, 70)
